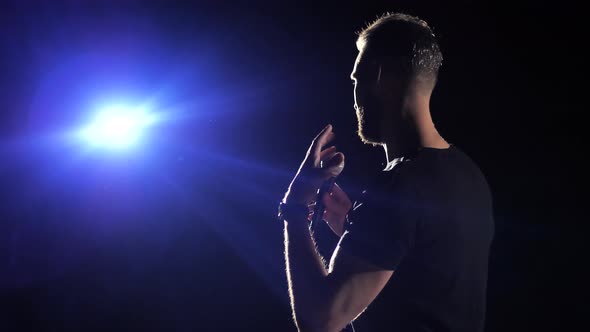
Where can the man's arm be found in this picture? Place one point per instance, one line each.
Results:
(327, 300)
(323, 300)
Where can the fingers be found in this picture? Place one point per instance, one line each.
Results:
(326, 128)
(338, 194)
(323, 138)
(332, 219)
(335, 165)
(327, 154)
(335, 222)
(337, 205)
(326, 135)
(310, 173)
(337, 200)
(335, 159)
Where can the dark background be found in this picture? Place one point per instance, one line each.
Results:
(179, 235)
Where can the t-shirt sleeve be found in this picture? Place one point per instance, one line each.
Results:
(382, 229)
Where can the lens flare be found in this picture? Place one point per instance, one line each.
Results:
(118, 127)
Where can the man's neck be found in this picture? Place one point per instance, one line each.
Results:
(418, 132)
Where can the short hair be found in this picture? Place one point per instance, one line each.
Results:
(405, 40)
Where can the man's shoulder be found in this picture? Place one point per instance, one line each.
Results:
(431, 162)
(435, 172)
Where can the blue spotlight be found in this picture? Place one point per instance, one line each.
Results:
(118, 127)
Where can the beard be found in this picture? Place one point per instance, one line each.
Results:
(369, 126)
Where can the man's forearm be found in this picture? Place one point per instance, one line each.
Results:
(306, 274)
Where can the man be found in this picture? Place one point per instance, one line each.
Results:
(420, 240)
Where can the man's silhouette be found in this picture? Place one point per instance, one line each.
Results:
(416, 246)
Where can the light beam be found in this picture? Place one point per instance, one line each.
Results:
(118, 127)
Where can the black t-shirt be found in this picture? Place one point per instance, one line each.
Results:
(430, 220)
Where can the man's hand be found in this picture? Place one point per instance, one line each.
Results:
(337, 206)
(318, 165)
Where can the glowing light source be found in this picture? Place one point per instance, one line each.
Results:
(118, 127)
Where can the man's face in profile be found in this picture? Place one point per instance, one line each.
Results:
(365, 75)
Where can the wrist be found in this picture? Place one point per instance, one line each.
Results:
(298, 196)
(303, 189)
(297, 212)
